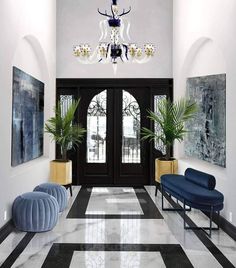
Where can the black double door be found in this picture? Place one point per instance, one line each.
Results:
(112, 152)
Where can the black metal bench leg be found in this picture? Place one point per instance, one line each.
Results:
(162, 199)
(171, 209)
(184, 216)
(156, 190)
(71, 190)
(158, 187)
(70, 187)
(205, 229)
(184, 209)
(218, 220)
(211, 214)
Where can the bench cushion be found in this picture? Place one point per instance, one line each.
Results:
(203, 179)
(195, 195)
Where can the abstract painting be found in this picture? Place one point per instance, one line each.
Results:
(27, 118)
(207, 137)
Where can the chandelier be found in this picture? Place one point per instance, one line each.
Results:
(117, 48)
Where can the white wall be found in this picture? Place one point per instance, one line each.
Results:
(78, 22)
(204, 43)
(27, 41)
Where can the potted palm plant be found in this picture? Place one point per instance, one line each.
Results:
(171, 118)
(67, 135)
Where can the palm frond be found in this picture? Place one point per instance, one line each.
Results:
(171, 118)
(62, 128)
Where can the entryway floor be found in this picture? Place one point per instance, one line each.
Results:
(119, 227)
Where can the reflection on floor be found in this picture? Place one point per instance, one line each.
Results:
(113, 201)
(116, 259)
(92, 238)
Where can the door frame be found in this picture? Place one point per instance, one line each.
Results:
(154, 86)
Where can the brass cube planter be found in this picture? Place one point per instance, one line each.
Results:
(61, 172)
(163, 167)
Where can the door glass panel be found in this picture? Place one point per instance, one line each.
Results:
(158, 144)
(66, 101)
(130, 129)
(96, 129)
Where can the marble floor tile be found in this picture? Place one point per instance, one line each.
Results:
(11, 241)
(123, 231)
(114, 259)
(117, 255)
(202, 259)
(113, 201)
(135, 231)
(194, 248)
(9, 244)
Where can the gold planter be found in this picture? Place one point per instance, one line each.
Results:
(165, 167)
(61, 172)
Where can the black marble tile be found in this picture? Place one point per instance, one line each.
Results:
(60, 255)
(6, 230)
(80, 204)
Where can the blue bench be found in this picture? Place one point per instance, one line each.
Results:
(195, 189)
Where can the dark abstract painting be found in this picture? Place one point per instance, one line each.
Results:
(207, 137)
(27, 118)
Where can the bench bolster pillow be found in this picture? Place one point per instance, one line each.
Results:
(200, 178)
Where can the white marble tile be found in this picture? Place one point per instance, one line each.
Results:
(116, 259)
(37, 250)
(11, 241)
(200, 259)
(30, 261)
(145, 231)
(113, 201)
(3, 257)
(8, 245)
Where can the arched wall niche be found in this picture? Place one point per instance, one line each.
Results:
(30, 58)
(204, 57)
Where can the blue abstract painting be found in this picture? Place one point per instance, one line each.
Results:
(27, 118)
(207, 137)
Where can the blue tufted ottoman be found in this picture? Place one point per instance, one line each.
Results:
(35, 212)
(57, 191)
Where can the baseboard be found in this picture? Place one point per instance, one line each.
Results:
(225, 225)
(5, 230)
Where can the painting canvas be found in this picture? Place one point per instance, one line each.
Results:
(207, 137)
(27, 118)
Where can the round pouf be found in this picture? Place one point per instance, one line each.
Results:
(57, 191)
(35, 212)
